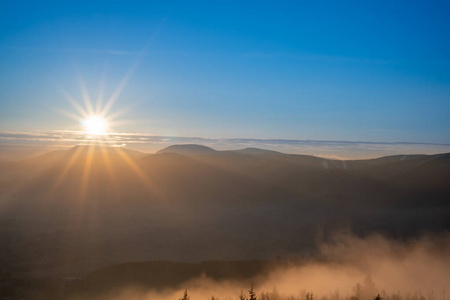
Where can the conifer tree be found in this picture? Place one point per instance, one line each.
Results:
(241, 296)
(185, 295)
(252, 294)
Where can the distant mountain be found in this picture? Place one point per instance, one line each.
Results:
(189, 149)
(255, 151)
(92, 206)
(82, 150)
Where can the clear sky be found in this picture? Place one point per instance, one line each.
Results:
(372, 71)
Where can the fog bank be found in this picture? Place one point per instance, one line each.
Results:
(348, 267)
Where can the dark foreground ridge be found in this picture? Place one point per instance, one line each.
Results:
(160, 275)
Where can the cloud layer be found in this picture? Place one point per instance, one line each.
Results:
(150, 143)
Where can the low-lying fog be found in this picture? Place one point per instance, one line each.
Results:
(349, 268)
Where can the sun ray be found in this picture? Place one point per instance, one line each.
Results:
(96, 119)
(85, 96)
(124, 81)
(78, 108)
(109, 104)
(86, 172)
(68, 166)
(102, 108)
(111, 171)
(139, 173)
(31, 177)
(69, 114)
(115, 115)
(101, 94)
(99, 102)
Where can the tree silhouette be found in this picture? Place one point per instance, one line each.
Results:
(241, 296)
(185, 295)
(368, 289)
(357, 292)
(252, 293)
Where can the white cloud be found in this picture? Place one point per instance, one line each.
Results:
(150, 143)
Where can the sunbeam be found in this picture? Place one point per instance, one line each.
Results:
(140, 173)
(85, 95)
(73, 158)
(86, 173)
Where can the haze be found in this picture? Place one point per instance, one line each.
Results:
(197, 149)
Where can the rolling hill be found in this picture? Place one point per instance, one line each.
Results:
(71, 211)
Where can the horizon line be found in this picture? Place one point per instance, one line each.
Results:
(82, 136)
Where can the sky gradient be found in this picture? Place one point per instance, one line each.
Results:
(360, 71)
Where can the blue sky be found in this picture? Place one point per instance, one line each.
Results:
(376, 71)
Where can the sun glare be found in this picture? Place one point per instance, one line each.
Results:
(95, 118)
(95, 125)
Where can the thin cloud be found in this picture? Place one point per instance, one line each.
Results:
(147, 142)
(140, 137)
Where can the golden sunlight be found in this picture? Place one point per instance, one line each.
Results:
(95, 125)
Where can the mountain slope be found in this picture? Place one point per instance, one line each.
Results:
(188, 149)
(87, 207)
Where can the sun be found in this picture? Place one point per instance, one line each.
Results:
(95, 125)
(95, 118)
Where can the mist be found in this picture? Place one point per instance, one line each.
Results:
(347, 267)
